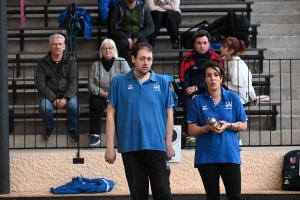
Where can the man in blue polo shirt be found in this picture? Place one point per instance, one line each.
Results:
(140, 112)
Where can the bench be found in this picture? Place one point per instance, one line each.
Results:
(185, 6)
(175, 55)
(262, 81)
(99, 32)
(29, 111)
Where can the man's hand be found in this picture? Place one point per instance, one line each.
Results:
(55, 103)
(190, 90)
(130, 43)
(134, 41)
(110, 155)
(62, 103)
(170, 152)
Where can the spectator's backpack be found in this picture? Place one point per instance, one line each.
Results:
(174, 88)
(291, 171)
(229, 25)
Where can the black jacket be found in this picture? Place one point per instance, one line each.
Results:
(146, 24)
(55, 85)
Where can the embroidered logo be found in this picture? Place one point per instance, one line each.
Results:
(130, 87)
(228, 105)
(195, 67)
(204, 107)
(293, 160)
(156, 87)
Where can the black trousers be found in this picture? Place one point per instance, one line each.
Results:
(97, 106)
(170, 19)
(123, 45)
(230, 174)
(145, 165)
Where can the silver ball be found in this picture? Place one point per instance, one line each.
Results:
(211, 121)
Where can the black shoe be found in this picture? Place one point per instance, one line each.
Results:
(175, 45)
(74, 135)
(47, 134)
(94, 140)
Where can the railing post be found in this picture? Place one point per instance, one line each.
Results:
(4, 113)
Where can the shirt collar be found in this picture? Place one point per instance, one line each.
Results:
(223, 93)
(153, 76)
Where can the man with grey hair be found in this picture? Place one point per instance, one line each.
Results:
(56, 80)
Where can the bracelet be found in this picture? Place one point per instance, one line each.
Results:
(230, 126)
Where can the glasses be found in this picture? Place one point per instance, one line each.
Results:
(108, 48)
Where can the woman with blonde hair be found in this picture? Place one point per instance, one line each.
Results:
(100, 75)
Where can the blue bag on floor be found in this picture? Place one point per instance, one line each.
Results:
(84, 185)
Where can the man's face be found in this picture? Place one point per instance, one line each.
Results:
(142, 62)
(57, 46)
(201, 45)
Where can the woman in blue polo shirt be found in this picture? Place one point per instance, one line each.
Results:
(217, 150)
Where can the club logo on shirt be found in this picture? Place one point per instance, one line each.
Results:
(156, 87)
(204, 107)
(228, 105)
(130, 87)
(293, 160)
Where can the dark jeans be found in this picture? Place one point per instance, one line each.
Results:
(230, 174)
(123, 45)
(97, 106)
(143, 165)
(170, 19)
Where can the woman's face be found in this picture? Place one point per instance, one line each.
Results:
(225, 51)
(107, 51)
(213, 79)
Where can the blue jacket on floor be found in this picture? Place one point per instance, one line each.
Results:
(84, 185)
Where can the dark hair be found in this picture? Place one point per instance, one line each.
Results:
(139, 46)
(201, 33)
(238, 46)
(215, 65)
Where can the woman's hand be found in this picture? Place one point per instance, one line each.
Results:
(219, 127)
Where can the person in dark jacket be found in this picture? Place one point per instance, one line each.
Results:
(130, 23)
(56, 80)
(191, 72)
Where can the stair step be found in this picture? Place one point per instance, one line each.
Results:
(279, 41)
(275, 18)
(279, 30)
(275, 7)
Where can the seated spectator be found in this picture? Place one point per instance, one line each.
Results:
(130, 23)
(56, 80)
(100, 75)
(191, 72)
(105, 7)
(239, 77)
(168, 15)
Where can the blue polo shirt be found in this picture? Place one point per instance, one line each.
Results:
(140, 111)
(217, 148)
